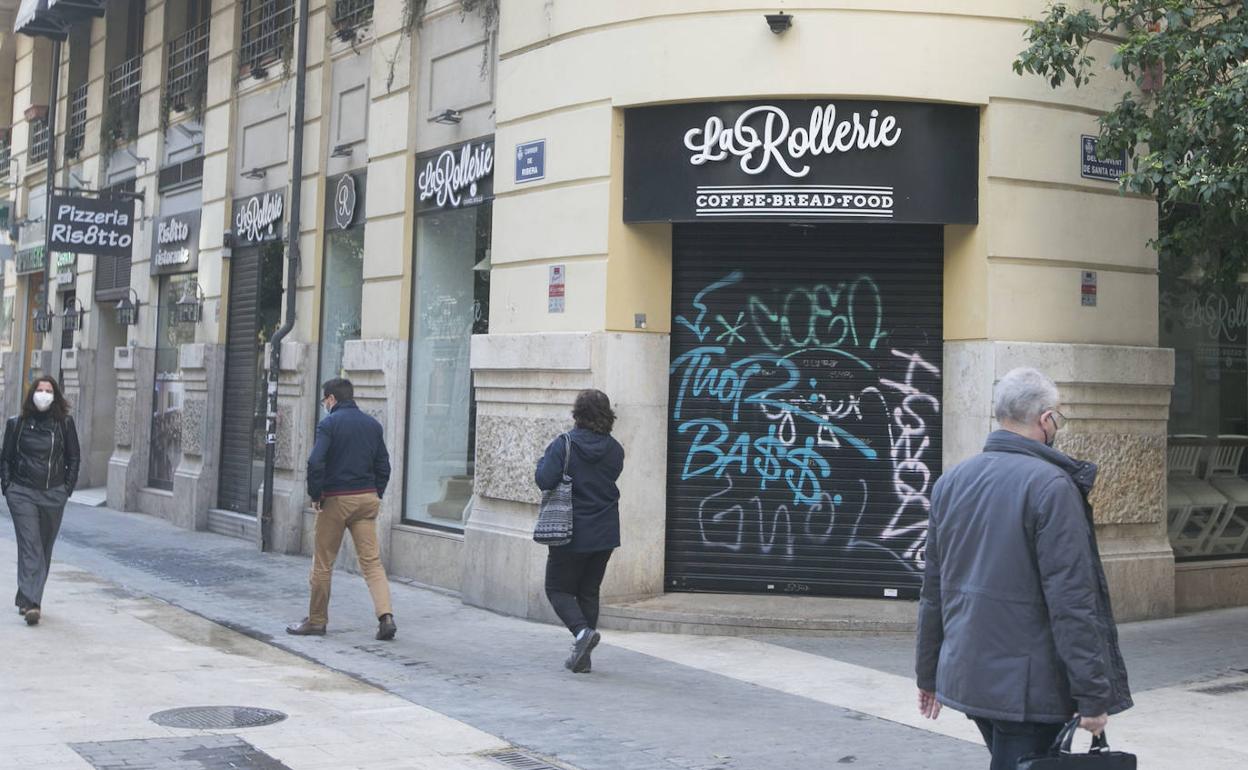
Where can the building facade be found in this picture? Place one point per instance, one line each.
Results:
(797, 260)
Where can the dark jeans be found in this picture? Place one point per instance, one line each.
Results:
(572, 582)
(1011, 741)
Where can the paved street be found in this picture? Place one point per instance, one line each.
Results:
(141, 617)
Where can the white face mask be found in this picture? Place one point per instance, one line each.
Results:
(43, 400)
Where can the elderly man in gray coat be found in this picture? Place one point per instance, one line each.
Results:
(1015, 627)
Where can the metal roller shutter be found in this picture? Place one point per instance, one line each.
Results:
(241, 361)
(805, 412)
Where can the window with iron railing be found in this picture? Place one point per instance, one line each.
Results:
(188, 68)
(76, 136)
(349, 14)
(6, 157)
(38, 140)
(121, 112)
(268, 33)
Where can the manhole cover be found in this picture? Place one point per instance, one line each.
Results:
(216, 717)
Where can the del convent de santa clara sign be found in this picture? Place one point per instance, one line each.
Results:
(802, 161)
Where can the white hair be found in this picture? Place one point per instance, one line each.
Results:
(1022, 395)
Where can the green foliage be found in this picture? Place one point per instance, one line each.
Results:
(1184, 126)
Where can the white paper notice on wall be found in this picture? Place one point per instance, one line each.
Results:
(555, 287)
(1087, 288)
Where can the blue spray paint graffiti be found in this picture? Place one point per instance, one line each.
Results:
(819, 431)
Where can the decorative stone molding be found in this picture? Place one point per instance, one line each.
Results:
(123, 426)
(194, 412)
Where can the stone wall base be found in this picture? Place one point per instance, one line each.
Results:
(526, 384)
(1208, 585)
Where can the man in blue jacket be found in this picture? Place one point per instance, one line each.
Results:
(1015, 626)
(347, 474)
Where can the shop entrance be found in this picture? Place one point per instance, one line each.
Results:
(255, 304)
(805, 407)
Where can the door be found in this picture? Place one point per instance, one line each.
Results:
(254, 311)
(804, 412)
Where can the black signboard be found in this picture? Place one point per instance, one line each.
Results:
(30, 261)
(258, 218)
(1092, 167)
(455, 177)
(93, 225)
(344, 200)
(801, 161)
(175, 245)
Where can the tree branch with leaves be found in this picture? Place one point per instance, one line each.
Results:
(1184, 125)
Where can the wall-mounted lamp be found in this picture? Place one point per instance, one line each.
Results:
(73, 315)
(188, 132)
(128, 310)
(43, 320)
(449, 117)
(343, 150)
(189, 308)
(255, 173)
(779, 22)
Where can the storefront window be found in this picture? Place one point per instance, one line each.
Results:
(451, 303)
(1205, 320)
(166, 442)
(342, 299)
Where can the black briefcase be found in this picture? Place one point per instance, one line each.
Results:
(1058, 757)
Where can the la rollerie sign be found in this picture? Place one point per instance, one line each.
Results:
(802, 161)
(455, 177)
(83, 225)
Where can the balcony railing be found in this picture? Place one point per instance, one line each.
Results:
(268, 33)
(38, 140)
(188, 68)
(6, 158)
(121, 112)
(123, 81)
(349, 14)
(76, 137)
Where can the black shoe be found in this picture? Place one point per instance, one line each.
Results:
(22, 610)
(306, 629)
(386, 627)
(581, 648)
(32, 616)
(586, 667)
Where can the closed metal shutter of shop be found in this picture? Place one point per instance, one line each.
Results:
(241, 362)
(805, 411)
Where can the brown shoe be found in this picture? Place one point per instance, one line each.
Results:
(306, 629)
(32, 616)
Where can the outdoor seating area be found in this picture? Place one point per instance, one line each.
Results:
(1207, 497)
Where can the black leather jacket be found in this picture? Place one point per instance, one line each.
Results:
(40, 453)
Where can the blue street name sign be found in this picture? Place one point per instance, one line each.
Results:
(1090, 167)
(531, 161)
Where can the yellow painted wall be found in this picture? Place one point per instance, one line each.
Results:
(569, 68)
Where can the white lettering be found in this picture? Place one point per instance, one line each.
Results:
(254, 220)
(758, 146)
(446, 177)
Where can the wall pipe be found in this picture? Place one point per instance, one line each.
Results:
(292, 277)
(49, 186)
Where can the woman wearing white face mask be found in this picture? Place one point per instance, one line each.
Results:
(38, 471)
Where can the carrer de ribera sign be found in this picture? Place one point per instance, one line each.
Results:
(92, 226)
(802, 161)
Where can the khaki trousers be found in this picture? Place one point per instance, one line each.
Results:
(357, 513)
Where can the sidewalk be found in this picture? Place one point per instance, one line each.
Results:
(86, 680)
(654, 701)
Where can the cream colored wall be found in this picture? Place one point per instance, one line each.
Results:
(568, 68)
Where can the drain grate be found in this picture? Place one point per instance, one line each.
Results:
(1224, 689)
(217, 717)
(520, 760)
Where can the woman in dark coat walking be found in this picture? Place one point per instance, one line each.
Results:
(574, 571)
(38, 470)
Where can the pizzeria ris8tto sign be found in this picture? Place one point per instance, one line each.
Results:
(92, 226)
(802, 161)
